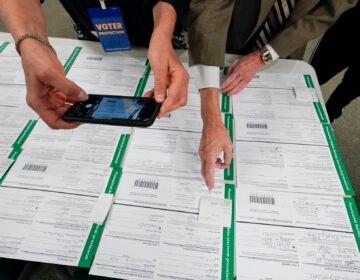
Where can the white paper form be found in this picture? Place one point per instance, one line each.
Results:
(12, 95)
(44, 174)
(167, 153)
(186, 118)
(274, 252)
(75, 161)
(160, 192)
(140, 243)
(279, 131)
(13, 120)
(62, 52)
(4, 152)
(277, 104)
(85, 134)
(276, 96)
(44, 227)
(292, 209)
(276, 112)
(289, 168)
(106, 82)
(278, 80)
(86, 145)
(11, 68)
(128, 65)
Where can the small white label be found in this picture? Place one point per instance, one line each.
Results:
(305, 94)
(101, 208)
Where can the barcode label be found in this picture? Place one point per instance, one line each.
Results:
(34, 167)
(264, 199)
(146, 184)
(97, 58)
(167, 115)
(257, 125)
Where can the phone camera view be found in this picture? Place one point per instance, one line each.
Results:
(115, 108)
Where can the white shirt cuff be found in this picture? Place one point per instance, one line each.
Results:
(273, 53)
(206, 76)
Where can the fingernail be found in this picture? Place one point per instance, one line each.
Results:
(82, 96)
(159, 97)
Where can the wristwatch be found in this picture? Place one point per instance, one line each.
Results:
(265, 55)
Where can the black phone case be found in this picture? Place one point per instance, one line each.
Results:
(69, 116)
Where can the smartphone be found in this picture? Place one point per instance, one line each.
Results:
(114, 110)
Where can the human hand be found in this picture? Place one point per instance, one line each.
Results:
(171, 79)
(49, 92)
(215, 139)
(241, 71)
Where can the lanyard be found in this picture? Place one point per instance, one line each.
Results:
(102, 4)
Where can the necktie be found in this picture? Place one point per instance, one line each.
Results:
(275, 20)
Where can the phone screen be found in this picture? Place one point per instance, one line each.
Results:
(116, 108)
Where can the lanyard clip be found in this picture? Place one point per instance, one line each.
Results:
(102, 4)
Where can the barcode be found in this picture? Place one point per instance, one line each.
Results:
(146, 184)
(257, 125)
(167, 115)
(34, 167)
(266, 199)
(94, 58)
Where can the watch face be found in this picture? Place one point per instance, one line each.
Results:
(265, 55)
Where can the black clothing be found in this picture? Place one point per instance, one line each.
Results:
(337, 50)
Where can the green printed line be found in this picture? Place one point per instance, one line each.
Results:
(225, 103)
(70, 61)
(142, 86)
(91, 246)
(24, 134)
(3, 46)
(229, 172)
(113, 181)
(309, 82)
(328, 132)
(138, 92)
(338, 162)
(147, 71)
(229, 124)
(14, 154)
(354, 218)
(320, 112)
(143, 81)
(120, 151)
(227, 271)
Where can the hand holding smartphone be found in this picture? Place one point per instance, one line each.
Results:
(114, 110)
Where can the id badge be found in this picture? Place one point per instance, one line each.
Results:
(110, 27)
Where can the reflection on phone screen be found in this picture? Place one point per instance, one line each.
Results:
(116, 108)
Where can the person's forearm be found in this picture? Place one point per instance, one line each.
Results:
(210, 107)
(164, 16)
(22, 17)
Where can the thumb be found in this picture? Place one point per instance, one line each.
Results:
(72, 91)
(160, 82)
